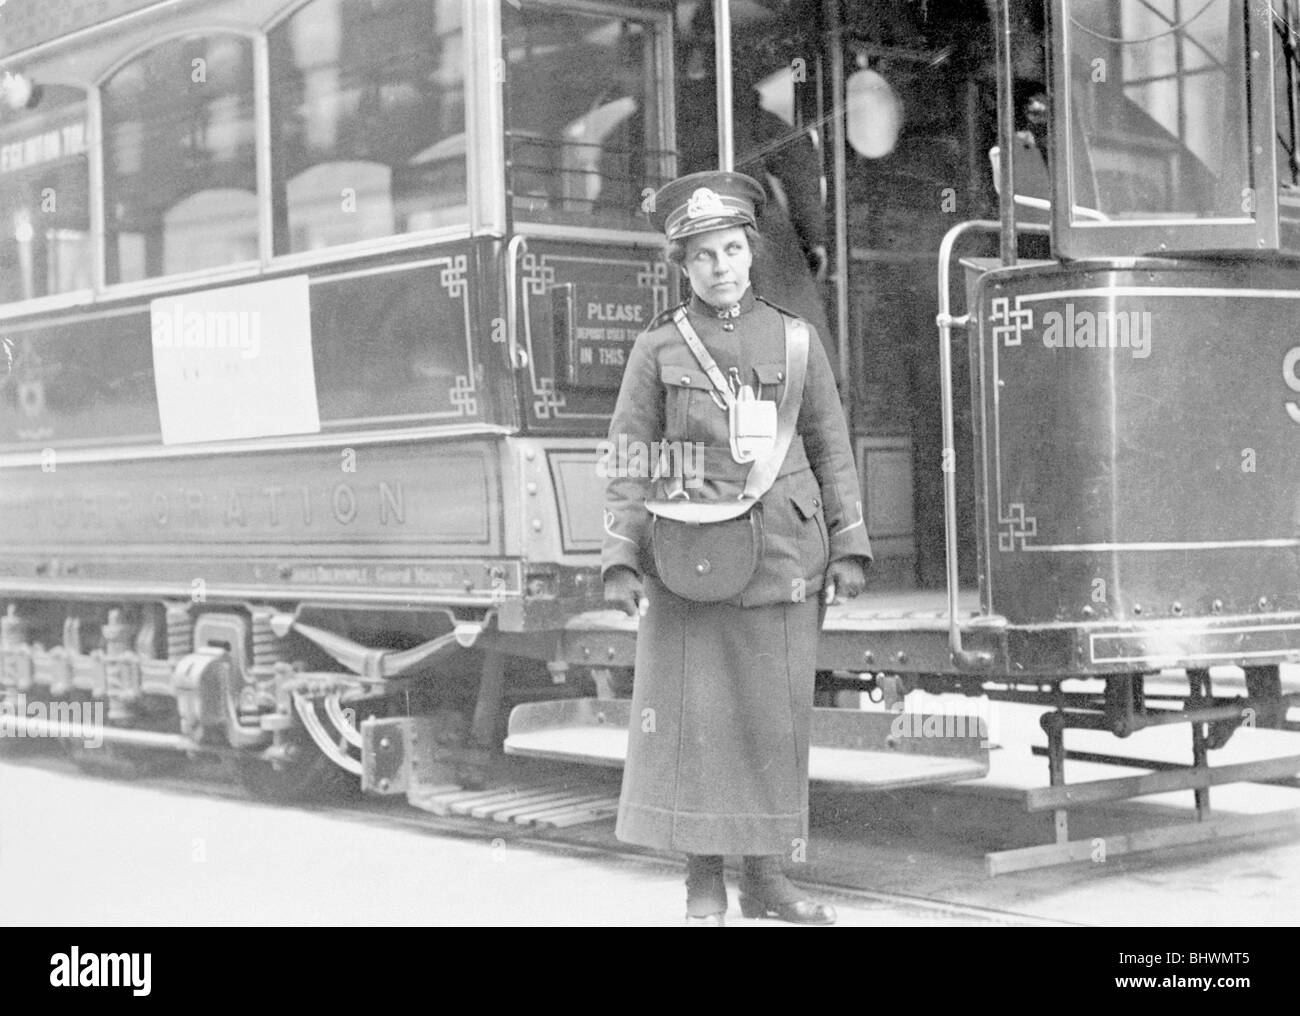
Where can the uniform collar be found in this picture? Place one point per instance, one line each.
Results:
(707, 310)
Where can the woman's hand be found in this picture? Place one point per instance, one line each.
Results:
(623, 591)
(846, 576)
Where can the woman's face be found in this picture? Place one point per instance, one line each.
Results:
(718, 263)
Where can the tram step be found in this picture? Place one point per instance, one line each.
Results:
(544, 805)
(851, 749)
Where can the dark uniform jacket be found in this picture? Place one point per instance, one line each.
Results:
(813, 513)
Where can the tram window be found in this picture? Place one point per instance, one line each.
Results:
(1158, 104)
(180, 180)
(45, 243)
(367, 121)
(583, 116)
(1286, 107)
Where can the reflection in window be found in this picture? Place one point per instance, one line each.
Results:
(583, 116)
(88, 380)
(180, 180)
(1157, 91)
(391, 345)
(44, 196)
(1286, 108)
(367, 120)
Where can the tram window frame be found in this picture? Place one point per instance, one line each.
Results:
(90, 64)
(659, 23)
(1076, 237)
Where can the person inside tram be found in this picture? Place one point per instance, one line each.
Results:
(769, 149)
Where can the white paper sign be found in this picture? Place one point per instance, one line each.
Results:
(235, 362)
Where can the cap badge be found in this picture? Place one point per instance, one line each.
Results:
(704, 202)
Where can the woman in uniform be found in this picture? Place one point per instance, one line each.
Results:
(722, 701)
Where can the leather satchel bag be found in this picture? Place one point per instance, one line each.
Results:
(706, 561)
(708, 551)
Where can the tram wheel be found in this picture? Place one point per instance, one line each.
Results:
(302, 775)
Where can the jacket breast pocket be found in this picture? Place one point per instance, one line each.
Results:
(814, 544)
(771, 380)
(684, 388)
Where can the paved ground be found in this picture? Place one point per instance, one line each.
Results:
(77, 851)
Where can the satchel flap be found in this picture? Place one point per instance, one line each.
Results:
(770, 373)
(698, 512)
(684, 377)
(807, 502)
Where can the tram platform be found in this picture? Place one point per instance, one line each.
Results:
(865, 633)
(905, 631)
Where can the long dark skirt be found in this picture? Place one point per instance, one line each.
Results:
(717, 757)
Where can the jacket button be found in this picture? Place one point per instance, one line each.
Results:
(817, 502)
(727, 326)
(686, 379)
(780, 375)
(703, 567)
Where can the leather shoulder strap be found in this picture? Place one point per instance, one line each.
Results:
(705, 359)
(763, 473)
(663, 317)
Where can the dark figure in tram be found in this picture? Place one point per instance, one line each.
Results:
(793, 261)
(718, 746)
(794, 257)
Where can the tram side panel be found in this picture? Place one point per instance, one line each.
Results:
(388, 496)
(582, 305)
(120, 554)
(411, 524)
(1138, 478)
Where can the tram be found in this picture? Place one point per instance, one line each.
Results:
(313, 314)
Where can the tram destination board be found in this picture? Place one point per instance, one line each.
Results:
(595, 327)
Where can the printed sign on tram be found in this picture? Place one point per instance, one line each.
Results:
(595, 327)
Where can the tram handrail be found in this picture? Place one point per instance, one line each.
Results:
(518, 244)
(964, 658)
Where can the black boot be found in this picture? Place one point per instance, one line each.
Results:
(706, 892)
(765, 891)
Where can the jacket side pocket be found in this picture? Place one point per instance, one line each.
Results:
(809, 507)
